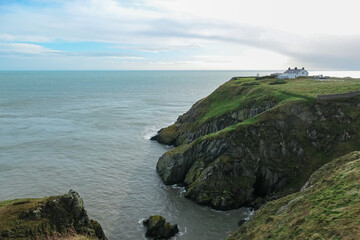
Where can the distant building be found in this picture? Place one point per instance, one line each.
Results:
(293, 73)
(320, 77)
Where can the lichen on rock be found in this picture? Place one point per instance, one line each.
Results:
(50, 216)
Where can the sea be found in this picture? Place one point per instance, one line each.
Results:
(90, 131)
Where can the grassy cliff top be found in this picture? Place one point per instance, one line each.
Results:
(10, 211)
(242, 91)
(305, 86)
(328, 207)
(242, 98)
(22, 219)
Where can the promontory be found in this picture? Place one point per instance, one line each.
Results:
(257, 139)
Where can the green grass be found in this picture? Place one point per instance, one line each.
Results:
(308, 87)
(228, 129)
(241, 92)
(10, 202)
(277, 82)
(329, 209)
(9, 215)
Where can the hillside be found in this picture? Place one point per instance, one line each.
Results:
(255, 140)
(244, 97)
(327, 207)
(57, 217)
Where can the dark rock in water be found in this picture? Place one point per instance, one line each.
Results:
(158, 228)
(41, 218)
(241, 222)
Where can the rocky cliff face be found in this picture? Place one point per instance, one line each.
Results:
(325, 208)
(186, 129)
(268, 155)
(216, 112)
(46, 218)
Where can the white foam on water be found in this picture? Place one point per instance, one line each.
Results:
(251, 213)
(183, 233)
(141, 221)
(180, 189)
(150, 131)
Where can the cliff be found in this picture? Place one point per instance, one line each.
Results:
(327, 207)
(57, 217)
(252, 141)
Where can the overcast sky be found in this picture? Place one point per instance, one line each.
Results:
(179, 34)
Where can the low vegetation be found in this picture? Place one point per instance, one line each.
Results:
(240, 92)
(327, 207)
(244, 95)
(275, 135)
(278, 81)
(59, 217)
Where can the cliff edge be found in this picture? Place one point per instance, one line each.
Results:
(251, 141)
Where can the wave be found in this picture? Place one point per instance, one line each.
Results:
(150, 131)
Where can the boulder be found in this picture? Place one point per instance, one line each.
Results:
(158, 228)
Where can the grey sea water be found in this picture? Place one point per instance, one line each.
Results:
(90, 130)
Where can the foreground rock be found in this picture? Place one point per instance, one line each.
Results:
(327, 207)
(158, 228)
(51, 217)
(268, 155)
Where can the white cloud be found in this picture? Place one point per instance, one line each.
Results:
(27, 38)
(300, 17)
(236, 33)
(125, 57)
(24, 48)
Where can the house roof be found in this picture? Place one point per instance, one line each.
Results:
(295, 70)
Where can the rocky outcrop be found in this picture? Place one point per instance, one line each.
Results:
(184, 131)
(158, 228)
(325, 208)
(198, 122)
(265, 158)
(52, 216)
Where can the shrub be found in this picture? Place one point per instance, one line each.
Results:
(279, 81)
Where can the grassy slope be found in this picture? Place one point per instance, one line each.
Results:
(9, 218)
(329, 208)
(301, 91)
(247, 93)
(241, 91)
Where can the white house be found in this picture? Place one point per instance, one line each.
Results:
(293, 73)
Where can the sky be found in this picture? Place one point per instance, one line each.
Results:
(179, 34)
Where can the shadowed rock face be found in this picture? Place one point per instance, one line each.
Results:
(158, 228)
(326, 207)
(265, 159)
(38, 218)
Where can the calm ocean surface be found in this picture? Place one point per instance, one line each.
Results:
(90, 130)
